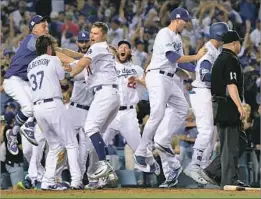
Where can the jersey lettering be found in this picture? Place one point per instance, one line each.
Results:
(233, 75)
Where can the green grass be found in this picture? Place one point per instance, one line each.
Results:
(131, 193)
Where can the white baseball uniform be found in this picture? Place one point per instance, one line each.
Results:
(44, 74)
(103, 84)
(163, 90)
(126, 122)
(80, 101)
(201, 102)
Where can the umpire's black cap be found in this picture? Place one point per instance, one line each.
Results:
(231, 36)
(124, 42)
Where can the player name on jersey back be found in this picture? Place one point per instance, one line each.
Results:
(44, 74)
(165, 41)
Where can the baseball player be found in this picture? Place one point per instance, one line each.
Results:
(102, 81)
(16, 83)
(163, 89)
(126, 122)
(200, 98)
(45, 74)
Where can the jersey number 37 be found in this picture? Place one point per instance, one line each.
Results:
(37, 80)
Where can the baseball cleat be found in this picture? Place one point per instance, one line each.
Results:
(209, 177)
(110, 181)
(28, 132)
(155, 168)
(78, 187)
(103, 169)
(55, 187)
(37, 185)
(168, 184)
(26, 183)
(164, 149)
(12, 142)
(195, 173)
(94, 185)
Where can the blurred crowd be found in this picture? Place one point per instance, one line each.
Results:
(139, 21)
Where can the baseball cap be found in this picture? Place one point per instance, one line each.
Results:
(37, 19)
(9, 116)
(12, 105)
(84, 36)
(231, 36)
(124, 42)
(180, 13)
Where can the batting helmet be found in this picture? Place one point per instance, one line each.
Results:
(217, 30)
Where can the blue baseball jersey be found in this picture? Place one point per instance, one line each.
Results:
(23, 56)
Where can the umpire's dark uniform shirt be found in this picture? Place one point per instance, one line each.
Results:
(226, 70)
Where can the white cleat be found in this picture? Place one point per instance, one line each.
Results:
(194, 172)
(103, 170)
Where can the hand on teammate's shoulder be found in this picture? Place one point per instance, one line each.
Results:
(201, 52)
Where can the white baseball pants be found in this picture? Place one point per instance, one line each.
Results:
(53, 119)
(201, 102)
(125, 123)
(162, 90)
(21, 92)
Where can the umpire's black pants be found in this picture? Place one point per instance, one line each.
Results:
(224, 167)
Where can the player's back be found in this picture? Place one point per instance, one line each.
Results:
(23, 56)
(210, 56)
(103, 65)
(165, 41)
(128, 96)
(44, 74)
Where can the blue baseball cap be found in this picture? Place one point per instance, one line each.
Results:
(9, 116)
(84, 36)
(180, 13)
(37, 19)
(124, 42)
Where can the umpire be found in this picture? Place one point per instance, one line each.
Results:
(227, 93)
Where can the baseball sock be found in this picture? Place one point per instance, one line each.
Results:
(196, 157)
(20, 119)
(99, 145)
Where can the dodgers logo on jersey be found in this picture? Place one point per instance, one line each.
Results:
(176, 46)
(126, 72)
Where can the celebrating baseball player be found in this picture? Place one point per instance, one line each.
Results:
(100, 65)
(126, 122)
(16, 83)
(163, 89)
(45, 74)
(200, 98)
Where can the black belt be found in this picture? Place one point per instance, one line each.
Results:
(200, 87)
(126, 107)
(80, 106)
(44, 100)
(165, 73)
(101, 86)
